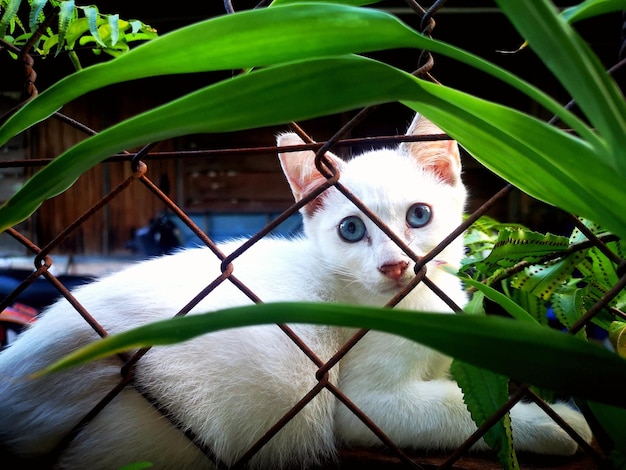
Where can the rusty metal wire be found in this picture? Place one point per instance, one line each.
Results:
(30, 90)
(43, 262)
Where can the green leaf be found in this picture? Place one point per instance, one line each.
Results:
(515, 244)
(135, 26)
(542, 280)
(224, 43)
(559, 162)
(577, 69)
(49, 44)
(567, 303)
(112, 30)
(92, 15)
(476, 304)
(533, 305)
(591, 8)
(520, 350)
(299, 87)
(10, 13)
(36, 7)
(567, 170)
(505, 302)
(484, 393)
(75, 30)
(617, 336)
(479, 241)
(67, 13)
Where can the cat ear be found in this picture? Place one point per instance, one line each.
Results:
(441, 157)
(300, 170)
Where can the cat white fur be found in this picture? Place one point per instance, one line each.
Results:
(230, 387)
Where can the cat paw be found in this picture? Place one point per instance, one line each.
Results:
(535, 431)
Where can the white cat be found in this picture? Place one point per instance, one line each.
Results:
(230, 387)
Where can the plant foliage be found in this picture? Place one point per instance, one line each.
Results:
(526, 274)
(75, 26)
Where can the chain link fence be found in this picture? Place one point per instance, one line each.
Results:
(392, 454)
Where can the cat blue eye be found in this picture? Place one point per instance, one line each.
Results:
(352, 229)
(418, 215)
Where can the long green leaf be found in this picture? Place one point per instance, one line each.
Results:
(507, 141)
(576, 68)
(567, 304)
(505, 302)
(243, 40)
(224, 43)
(301, 88)
(591, 8)
(522, 351)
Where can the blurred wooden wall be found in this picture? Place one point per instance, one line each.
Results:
(200, 185)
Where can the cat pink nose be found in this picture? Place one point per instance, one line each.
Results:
(394, 270)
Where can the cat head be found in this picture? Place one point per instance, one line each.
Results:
(415, 189)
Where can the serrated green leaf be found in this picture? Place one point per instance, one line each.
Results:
(517, 244)
(118, 50)
(93, 17)
(568, 306)
(10, 13)
(67, 13)
(479, 240)
(543, 279)
(128, 38)
(484, 394)
(522, 351)
(604, 270)
(36, 8)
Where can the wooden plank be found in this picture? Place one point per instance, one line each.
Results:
(201, 190)
(246, 162)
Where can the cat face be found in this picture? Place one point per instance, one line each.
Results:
(415, 191)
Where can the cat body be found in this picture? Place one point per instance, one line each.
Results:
(228, 388)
